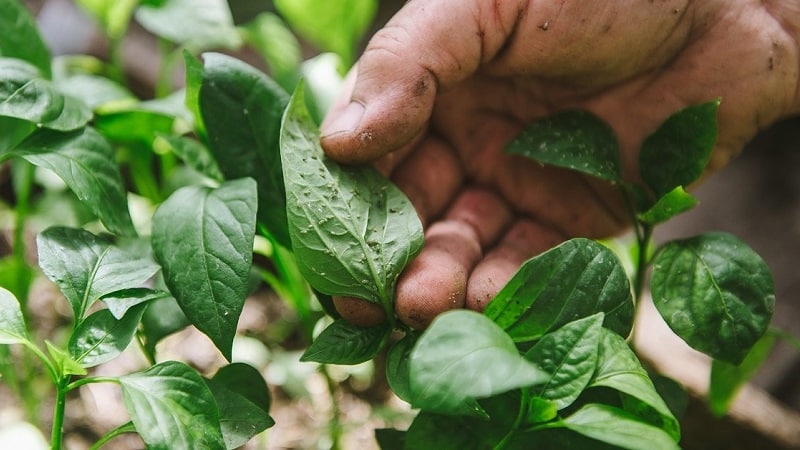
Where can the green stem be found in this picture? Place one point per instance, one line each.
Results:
(786, 337)
(151, 358)
(120, 430)
(641, 260)
(116, 60)
(89, 380)
(335, 424)
(523, 411)
(58, 413)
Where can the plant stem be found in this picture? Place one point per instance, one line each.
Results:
(90, 380)
(335, 424)
(641, 260)
(58, 413)
(523, 410)
(120, 430)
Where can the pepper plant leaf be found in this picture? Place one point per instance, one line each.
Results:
(463, 356)
(352, 230)
(715, 292)
(20, 38)
(239, 391)
(87, 164)
(242, 109)
(576, 140)
(677, 153)
(668, 206)
(172, 408)
(616, 427)
(575, 279)
(203, 239)
(101, 337)
(12, 323)
(344, 343)
(197, 24)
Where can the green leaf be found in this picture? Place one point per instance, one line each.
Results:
(86, 163)
(440, 432)
(12, 132)
(241, 416)
(390, 439)
(352, 230)
(331, 25)
(25, 95)
(276, 43)
(203, 238)
(576, 140)
(161, 318)
(197, 24)
(569, 355)
(461, 357)
(242, 110)
(95, 91)
(576, 279)
(193, 153)
(86, 267)
(64, 363)
(119, 302)
(668, 206)
(133, 125)
(113, 15)
(344, 343)
(101, 337)
(172, 408)
(678, 152)
(398, 360)
(614, 426)
(12, 323)
(20, 37)
(727, 379)
(619, 369)
(541, 410)
(194, 81)
(715, 292)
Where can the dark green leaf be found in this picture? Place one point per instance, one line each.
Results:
(727, 379)
(203, 238)
(194, 154)
(172, 408)
(715, 292)
(86, 163)
(668, 206)
(119, 302)
(276, 43)
(242, 111)
(331, 25)
(397, 366)
(12, 132)
(569, 355)
(101, 338)
(678, 152)
(352, 230)
(617, 427)
(390, 439)
(20, 37)
(161, 318)
(12, 323)
(86, 267)
(197, 24)
(113, 15)
(241, 418)
(344, 343)
(461, 357)
(576, 279)
(619, 369)
(576, 140)
(440, 432)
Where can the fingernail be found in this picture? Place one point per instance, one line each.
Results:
(345, 121)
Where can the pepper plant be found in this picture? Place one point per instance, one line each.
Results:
(232, 159)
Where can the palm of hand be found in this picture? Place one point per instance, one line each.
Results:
(486, 211)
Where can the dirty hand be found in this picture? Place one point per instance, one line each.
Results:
(446, 84)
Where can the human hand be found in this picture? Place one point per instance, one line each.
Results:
(443, 87)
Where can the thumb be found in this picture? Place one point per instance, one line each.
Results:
(427, 45)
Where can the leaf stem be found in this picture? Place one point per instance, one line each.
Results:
(120, 430)
(523, 410)
(89, 380)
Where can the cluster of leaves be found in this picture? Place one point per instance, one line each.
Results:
(205, 159)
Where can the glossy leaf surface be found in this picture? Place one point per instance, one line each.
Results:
(344, 343)
(101, 337)
(12, 324)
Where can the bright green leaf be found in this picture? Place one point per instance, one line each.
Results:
(242, 111)
(197, 24)
(668, 206)
(203, 238)
(715, 292)
(194, 81)
(569, 355)
(461, 357)
(398, 359)
(64, 363)
(86, 163)
(101, 337)
(727, 379)
(133, 125)
(12, 323)
(20, 37)
(331, 25)
(618, 368)
(352, 230)
(576, 140)
(86, 267)
(95, 91)
(576, 279)
(119, 302)
(541, 410)
(113, 15)
(172, 408)
(614, 426)
(678, 152)
(241, 416)
(344, 343)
